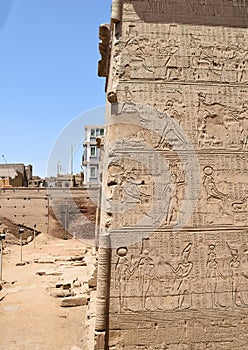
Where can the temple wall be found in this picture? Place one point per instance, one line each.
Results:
(175, 176)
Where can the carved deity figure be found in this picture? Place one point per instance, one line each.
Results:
(122, 274)
(236, 276)
(182, 272)
(214, 275)
(171, 136)
(211, 189)
(147, 273)
(171, 191)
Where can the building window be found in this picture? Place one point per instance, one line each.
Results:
(93, 172)
(93, 132)
(101, 132)
(93, 151)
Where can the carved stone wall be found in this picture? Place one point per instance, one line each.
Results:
(175, 184)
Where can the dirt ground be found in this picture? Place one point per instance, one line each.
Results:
(32, 319)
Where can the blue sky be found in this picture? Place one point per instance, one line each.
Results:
(48, 70)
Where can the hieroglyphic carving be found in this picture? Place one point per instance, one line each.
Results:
(220, 123)
(214, 274)
(196, 277)
(130, 192)
(211, 189)
(123, 272)
(182, 272)
(224, 191)
(103, 275)
(174, 192)
(170, 288)
(176, 54)
(236, 276)
(232, 121)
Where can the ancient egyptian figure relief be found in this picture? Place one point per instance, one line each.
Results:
(179, 54)
(129, 193)
(148, 191)
(223, 199)
(221, 126)
(209, 272)
(223, 194)
(219, 115)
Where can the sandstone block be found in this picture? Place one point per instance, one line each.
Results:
(45, 261)
(74, 301)
(59, 293)
(77, 257)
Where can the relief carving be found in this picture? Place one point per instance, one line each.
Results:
(163, 56)
(223, 202)
(122, 274)
(182, 271)
(211, 189)
(222, 126)
(236, 275)
(196, 277)
(174, 192)
(178, 87)
(129, 194)
(214, 276)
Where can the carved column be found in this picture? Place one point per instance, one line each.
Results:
(103, 278)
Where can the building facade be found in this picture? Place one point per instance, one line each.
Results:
(91, 155)
(15, 175)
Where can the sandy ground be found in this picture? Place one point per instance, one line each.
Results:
(31, 319)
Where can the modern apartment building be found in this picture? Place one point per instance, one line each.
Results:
(91, 155)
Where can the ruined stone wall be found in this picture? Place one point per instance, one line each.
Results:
(175, 184)
(25, 206)
(58, 212)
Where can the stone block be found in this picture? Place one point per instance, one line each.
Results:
(60, 293)
(75, 301)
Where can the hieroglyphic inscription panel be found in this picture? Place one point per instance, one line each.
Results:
(175, 184)
(187, 291)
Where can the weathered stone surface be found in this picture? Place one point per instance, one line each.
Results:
(29, 206)
(76, 348)
(41, 273)
(79, 263)
(49, 273)
(77, 283)
(59, 292)
(104, 48)
(3, 295)
(54, 273)
(64, 284)
(175, 178)
(77, 257)
(48, 260)
(92, 282)
(75, 301)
